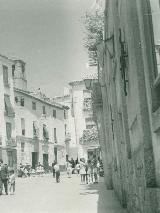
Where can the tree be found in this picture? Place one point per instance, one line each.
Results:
(94, 24)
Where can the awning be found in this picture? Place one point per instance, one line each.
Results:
(8, 106)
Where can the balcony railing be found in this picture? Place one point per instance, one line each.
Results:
(87, 104)
(11, 142)
(67, 137)
(9, 114)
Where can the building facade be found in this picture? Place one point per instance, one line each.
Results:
(7, 113)
(81, 127)
(126, 102)
(85, 126)
(33, 126)
(71, 143)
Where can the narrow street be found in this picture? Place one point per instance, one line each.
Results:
(42, 194)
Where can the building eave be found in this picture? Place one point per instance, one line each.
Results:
(76, 83)
(30, 94)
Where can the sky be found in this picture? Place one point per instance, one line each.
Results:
(48, 36)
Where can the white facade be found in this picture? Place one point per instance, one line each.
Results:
(32, 127)
(80, 118)
(29, 118)
(71, 141)
(7, 141)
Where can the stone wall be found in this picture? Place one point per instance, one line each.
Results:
(130, 128)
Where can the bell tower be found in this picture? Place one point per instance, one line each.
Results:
(19, 74)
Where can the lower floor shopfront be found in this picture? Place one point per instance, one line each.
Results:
(88, 151)
(28, 151)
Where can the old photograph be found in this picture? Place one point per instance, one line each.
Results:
(80, 106)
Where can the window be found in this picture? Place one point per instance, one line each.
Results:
(8, 106)
(33, 105)
(54, 113)
(45, 132)
(44, 110)
(22, 146)
(55, 135)
(34, 129)
(89, 119)
(89, 126)
(65, 128)
(22, 101)
(23, 70)
(16, 99)
(65, 114)
(23, 126)
(87, 104)
(155, 16)
(13, 70)
(8, 130)
(5, 75)
(157, 49)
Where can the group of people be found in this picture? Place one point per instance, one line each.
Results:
(89, 170)
(7, 179)
(27, 170)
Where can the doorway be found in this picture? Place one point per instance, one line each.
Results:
(34, 159)
(45, 161)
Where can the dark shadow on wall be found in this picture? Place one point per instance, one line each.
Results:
(107, 200)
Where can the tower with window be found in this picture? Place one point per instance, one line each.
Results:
(19, 74)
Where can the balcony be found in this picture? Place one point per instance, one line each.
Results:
(36, 134)
(87, 104)
(67, 137)
(9, 114)
(11, 142)
(90, 137)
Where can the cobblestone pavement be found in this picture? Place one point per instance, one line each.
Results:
(43, 195)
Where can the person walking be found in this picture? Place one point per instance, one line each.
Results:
(57, 171)
(53, 170)
(95, 169)
(69, 169)
(11, 182)
(3, 177)
(82, 170)
(77, 168)
(89, 172)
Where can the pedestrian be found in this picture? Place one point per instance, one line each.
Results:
(3, 177)
(72, 164)
(86, 169)
(53, 170)
(20, 170)
(77, 168)
(89, 172)
(82, 170)
(69, 169)
(11, 182)
(95, 169)
(57, 171)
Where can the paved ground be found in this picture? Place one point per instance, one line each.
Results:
(43, 195)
